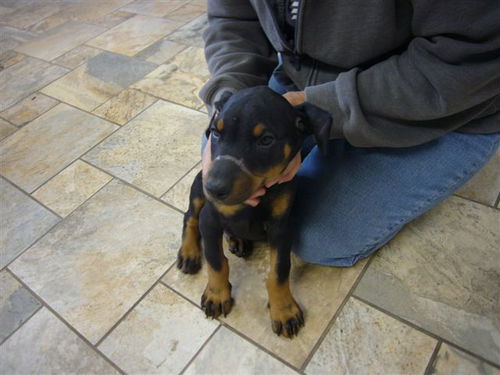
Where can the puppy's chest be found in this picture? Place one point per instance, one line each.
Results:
(249, 227)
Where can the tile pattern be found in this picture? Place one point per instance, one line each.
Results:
(154, 8)
(45, 345)
(104, 255)
(29, 15)
(24, 78)
(77, 56)
(22, 220)
(16, 305)
(9, 58)
(438, 273)
(125, 106)
(154, 150)
(6, 129)
(28, 109)
(70, 188)
(364, 340)
(160, 51)
(48, 144)
(133, 35)
(159, 336)
(178, 195)
(250, 315)
(11, 37)
(191, 33)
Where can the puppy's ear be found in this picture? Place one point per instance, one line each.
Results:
(315, 121)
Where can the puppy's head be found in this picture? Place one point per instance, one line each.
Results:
(254, 135)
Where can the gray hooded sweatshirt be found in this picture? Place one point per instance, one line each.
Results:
(392, 73)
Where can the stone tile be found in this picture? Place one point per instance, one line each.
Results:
(6, 129)
(160, 336)
(178, 195)
(5, 10)
(214, 358)
(155, 149)
(89, 11)
(10, 37)
(28, 109)
(22, 220)
(113, 19)
(77, 56)
(48, 144)
(96, 81)
(48, 23)
(16, 305)
(44, 345)
(70, 188)
(9, 58)
(155, 8)
(133, 35)
(454, 361)
(186, 12)
(180, 79)
(26, 16)
(24, 78)
(102, 258)
(440, 274)
(319, 291)
(191, 33)
(160, 51)
(364, 340)
(122, 108)
(484, 187)
(59, 40)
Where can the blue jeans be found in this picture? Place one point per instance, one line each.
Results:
(353, 201)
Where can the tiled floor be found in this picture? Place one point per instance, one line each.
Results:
(100, 128)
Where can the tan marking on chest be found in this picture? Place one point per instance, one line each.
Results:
(280, 205)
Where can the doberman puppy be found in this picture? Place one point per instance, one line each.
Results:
(254, 135)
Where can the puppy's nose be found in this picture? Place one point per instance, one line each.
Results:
(217, 188)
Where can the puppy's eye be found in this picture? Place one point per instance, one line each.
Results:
(215, 133)
(266, 140)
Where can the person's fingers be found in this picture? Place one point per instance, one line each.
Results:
(295, 98)
(255, 198)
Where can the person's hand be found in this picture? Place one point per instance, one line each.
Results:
(295, 98)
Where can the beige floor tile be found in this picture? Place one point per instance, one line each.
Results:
(71, 187)
(5, 10)
(245, 358)
(28, 109)
(59, 40)
(77, 56)
(154, 150)
(484, 187)
(180, 79)
(48, 23)
(9, 58)
(96, 81)
(186, 12)
(102, 258)
(10, 37)
(22, 220)
(89, 11)
(156, 8)
(319, 291)
(191, 33)
(113, 19)
(450, 360)
(178, 195)
(6, 129)
(364, 340)
(24, 78)
(45, 345)
(133, 35)
(160, 336)
(160, 51)
(48, 144)
(441, 273)
(122, 108)
(28, 15)
(16, 305)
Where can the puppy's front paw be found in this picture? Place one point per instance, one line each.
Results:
(217, 301)
(187, 262)
(286, 320)
(239, 247)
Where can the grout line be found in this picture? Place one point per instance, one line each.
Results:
(337, 313)
(475, 201)
(200, 349)
(179, 180)
(57, 315)
(432, 359)
(426, 332)
(23, 323)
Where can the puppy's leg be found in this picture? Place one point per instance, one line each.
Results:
(286, 315)
(189, 255)
(216, 298)
(239, 247)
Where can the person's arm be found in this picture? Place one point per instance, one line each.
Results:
(448, 75)
(237, 51)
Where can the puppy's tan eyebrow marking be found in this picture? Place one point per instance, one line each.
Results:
(220, 125)
(258, 129)
(287, 150)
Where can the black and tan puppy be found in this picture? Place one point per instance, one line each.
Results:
(254, 135)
